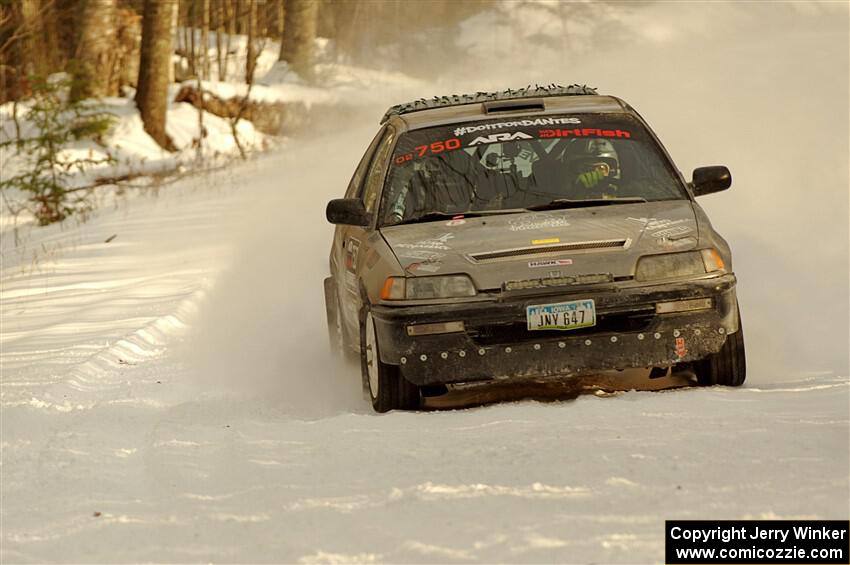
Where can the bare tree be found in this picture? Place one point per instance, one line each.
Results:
(230, 18)
(203, 74)
(154, 72)
(252, 52)
(255, 48)
(125, 58)
(280, 14)
(31, 19)
(218, 22)
(91, 70)
(189, 28)
(205, 39)
(25, 48)
(299, 35)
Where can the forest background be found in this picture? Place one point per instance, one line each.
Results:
(63, 64)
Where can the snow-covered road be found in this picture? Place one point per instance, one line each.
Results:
(167, 394)
(212, 478)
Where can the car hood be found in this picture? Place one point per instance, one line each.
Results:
(498, 249)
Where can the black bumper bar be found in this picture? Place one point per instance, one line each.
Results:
(495, 343)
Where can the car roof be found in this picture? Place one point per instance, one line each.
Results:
(523, 103)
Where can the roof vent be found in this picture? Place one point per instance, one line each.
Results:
(532, 105)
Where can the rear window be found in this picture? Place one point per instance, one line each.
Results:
(515, 163)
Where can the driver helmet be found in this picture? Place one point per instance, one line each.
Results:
(596, 155)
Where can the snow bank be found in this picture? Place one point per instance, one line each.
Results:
(131, 146)
(133, 152)
(234, 54)
(336, 85)
(84, 300)
(286, 92)
(334, 82)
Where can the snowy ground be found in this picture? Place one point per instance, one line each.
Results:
(167, 396)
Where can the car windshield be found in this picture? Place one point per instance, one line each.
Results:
(517, 164)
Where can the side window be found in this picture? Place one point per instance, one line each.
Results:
(375, 179)
(357, 179)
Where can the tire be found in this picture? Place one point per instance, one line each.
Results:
(727, 367)
(387, 388)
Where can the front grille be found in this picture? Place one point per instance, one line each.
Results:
(547, 250)
(618, 322)
(550, 282)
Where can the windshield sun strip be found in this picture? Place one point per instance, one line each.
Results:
(480, 167)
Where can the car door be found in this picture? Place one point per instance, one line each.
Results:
(351, 242)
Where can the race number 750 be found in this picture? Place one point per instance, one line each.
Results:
(433, 148)
(439, 146)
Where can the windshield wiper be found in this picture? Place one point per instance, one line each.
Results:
(564, 203)
(434, 216)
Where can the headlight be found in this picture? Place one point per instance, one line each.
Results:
(424, 288)
(674, 265)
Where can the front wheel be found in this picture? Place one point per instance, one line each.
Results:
(727, 367)
(388, 389)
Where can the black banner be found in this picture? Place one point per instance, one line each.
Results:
(815, 542)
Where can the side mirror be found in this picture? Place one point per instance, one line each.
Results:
(347, 211)
(708, 180)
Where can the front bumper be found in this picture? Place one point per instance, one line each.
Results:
(495, 343)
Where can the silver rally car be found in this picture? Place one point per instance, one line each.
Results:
(531, 233)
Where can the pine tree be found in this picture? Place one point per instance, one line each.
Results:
(58, 121)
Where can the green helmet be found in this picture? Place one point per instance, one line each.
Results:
(594, 154)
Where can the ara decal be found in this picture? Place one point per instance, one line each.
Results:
(497, 137)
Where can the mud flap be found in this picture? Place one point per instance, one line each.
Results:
(331, 313)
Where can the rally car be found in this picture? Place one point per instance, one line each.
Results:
(526, 233)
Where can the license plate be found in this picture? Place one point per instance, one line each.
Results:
(561, 316)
